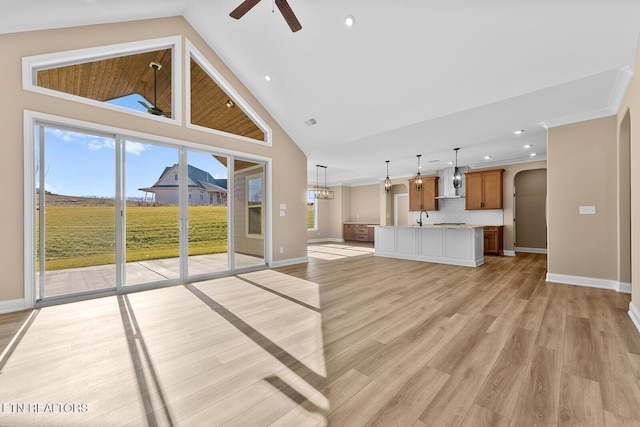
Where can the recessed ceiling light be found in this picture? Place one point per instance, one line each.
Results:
(487, 157)
(267, 77)
(349, 21)
(533, 154)
(518, 132)
(449, 163)
(528, 146)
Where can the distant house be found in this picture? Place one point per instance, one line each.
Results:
(204, 189)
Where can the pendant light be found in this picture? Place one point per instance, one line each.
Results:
(322, 192)
(457, 176)
(387, 181)
(418, 178)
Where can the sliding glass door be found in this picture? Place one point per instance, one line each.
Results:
(113, 212)
(75, 212)
(207, 213)
(152, 212)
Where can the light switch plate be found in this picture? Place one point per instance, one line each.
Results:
(587, 210)
(282, 213)
(283, 206)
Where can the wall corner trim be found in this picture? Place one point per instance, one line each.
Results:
(509, 253)
(590, 282)
(290, 261)
(12, 305)
(634, 313)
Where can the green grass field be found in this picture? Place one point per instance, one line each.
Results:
(310, 213)
(81, 236)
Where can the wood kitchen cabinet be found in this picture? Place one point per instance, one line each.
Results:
(357, 232)
(426, 198)
(493, 240)
(484, 189)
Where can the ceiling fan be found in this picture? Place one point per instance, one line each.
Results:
(284, 7)
(154, 109)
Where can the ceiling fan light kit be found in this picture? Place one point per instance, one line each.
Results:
(283, 6)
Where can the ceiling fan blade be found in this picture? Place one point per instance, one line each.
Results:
(244, 7)
(288, 15)
(144, 104)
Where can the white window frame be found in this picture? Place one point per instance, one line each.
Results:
(262, 212)
(32, 64)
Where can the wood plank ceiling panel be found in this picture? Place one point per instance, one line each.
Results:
(112, 78)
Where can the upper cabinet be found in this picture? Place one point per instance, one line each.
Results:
(484, 189)
(424, 199)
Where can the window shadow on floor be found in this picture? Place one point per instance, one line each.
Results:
(142, 365)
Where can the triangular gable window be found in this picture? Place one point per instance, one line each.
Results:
(215, 105)
(137, 76)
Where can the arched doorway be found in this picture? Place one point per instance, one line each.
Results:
(530, 222)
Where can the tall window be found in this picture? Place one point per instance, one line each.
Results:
(312, 211)
(254, 205)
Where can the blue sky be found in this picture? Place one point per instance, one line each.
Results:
(84, 165)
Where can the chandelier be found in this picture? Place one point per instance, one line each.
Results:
(322, 192)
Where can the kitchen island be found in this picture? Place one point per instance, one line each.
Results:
(446, 244)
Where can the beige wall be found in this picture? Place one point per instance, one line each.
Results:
(582, 171)
(289, 162)
(365, 203)
(631, 134)
(530, 199)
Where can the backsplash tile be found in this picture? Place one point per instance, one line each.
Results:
(452, 210)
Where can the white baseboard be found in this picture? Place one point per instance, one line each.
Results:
(531, 250)
(12, 305)
(290, 261)
(509, 253)
(634, 313)
(624, 287)
(590, 282)
(328, 239)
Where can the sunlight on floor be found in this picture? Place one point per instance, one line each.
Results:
(332, 252)
(245, 350)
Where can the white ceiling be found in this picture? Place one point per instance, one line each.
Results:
(411, 77)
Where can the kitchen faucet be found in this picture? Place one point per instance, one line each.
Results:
(420, 220)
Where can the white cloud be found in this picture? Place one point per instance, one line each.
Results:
(135, 148)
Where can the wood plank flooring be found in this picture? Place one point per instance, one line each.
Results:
(348, 339)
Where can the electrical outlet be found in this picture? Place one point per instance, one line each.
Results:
(281, 249)
(587, 210)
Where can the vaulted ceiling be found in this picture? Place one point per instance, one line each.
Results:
(411, 77)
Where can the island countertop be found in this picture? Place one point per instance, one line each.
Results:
(460, 226)
(457, 244)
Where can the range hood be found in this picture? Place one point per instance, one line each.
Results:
(445, 184)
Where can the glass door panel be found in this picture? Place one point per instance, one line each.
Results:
(207, 213)
(152, 213)
(249, 213)
(75, 212)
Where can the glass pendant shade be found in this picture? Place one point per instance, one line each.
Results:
(387, 181)
(418, 178)
(457, 175)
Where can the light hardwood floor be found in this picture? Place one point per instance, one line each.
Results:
(348, 339)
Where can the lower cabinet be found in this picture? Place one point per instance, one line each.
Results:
(493, 244)
(357, 232)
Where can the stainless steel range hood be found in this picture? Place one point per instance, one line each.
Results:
(445, 184)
